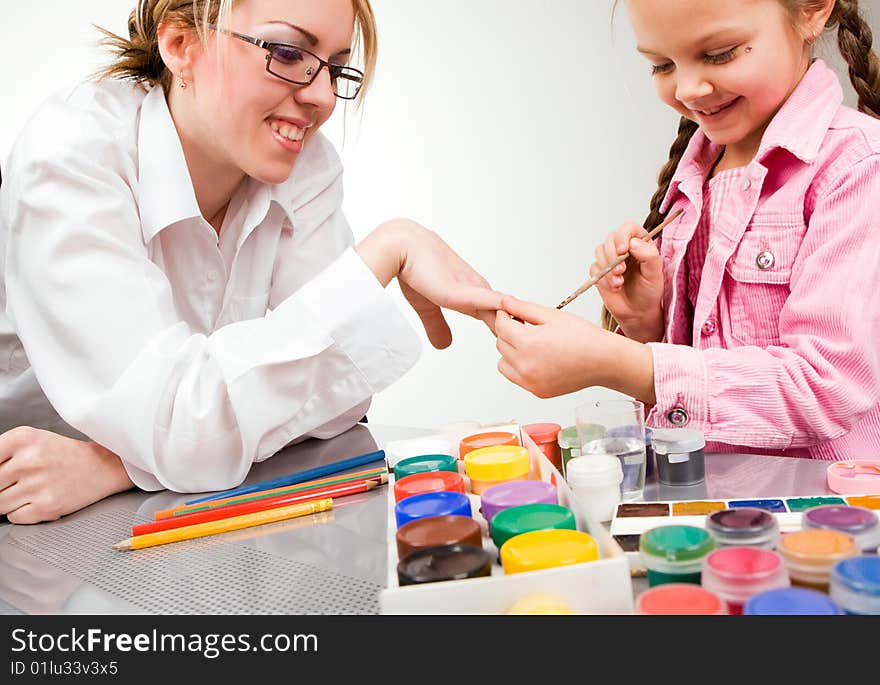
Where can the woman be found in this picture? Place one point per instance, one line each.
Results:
(183, 298)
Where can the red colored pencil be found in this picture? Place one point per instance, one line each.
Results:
(257, 505)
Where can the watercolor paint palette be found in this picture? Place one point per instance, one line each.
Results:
(634, 518)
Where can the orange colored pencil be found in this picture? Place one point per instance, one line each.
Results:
(373, 473)
(200, 530)
(250, 507)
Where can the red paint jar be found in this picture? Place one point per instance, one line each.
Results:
(544, 436)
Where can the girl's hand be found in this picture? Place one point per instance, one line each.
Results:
(44, 476)
(432, 276)
(550, 352)
(633, 290)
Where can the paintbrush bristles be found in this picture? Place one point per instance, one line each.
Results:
(590, 283)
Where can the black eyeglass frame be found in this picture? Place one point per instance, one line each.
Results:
(268, 46)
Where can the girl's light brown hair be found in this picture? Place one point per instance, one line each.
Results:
(854, 38)
(137, 57)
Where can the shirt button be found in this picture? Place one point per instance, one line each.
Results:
(709, 327)
(765, 260)
(746, 184)
(678, 417)
(212, 276)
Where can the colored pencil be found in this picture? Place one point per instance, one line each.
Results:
(593, 281)
(199, 530)
(294, 478)
(229, 511)
(369, 474)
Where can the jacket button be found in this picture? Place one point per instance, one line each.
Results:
(709, 327)
(765, 260)
(678, 417)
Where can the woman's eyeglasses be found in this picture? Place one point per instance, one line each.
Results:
(297, 65)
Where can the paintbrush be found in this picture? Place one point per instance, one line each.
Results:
(589, 284)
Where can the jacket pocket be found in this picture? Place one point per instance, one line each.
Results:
(758, 278)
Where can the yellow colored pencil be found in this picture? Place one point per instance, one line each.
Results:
(224, 525)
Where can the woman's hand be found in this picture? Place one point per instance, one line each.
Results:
(432, 276)
(550, 352)
(44, 476)
(633, 290)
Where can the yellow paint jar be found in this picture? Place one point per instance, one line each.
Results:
(810, 555)
(547, 549)
(541, 603)
(490, 466)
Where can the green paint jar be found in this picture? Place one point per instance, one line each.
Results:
(570, 444)
(425, 463)
(674, 554)
(526, 518)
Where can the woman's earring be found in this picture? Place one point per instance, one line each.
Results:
(182, 81)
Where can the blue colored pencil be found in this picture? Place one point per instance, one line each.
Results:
(294, 478)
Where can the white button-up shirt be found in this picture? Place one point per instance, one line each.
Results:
(126, 319)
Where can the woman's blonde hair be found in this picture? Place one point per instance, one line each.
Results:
(854, 39)
(138, 58)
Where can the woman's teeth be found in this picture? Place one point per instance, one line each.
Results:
(289, 131)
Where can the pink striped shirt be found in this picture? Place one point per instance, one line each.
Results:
(772, 341)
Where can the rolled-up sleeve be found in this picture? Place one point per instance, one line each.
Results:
(824, 375)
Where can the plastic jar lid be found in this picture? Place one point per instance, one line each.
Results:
(677, 440)
(431, 504)
(450, 562)
(791, 601)
(497, 463)
(546, 549)
(516, 493)
(481, 440)
(397, 450)
(425, 462)
(743, 526)
(737, 573)
(594, 470)
(675, 549)
(429, 481)
(568, 438)
(810, 554)
(542, 433)
(437, 531)
(862, 524)
(514, 521)
(679, 599)
(855, 585)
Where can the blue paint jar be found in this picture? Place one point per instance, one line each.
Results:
(791, 601)
(427, 504)
(855, 585)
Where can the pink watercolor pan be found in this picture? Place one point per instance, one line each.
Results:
(854, 476)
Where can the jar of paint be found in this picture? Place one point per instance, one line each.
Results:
(398, 450)
(862, 524)
(680, 456)
(437, 531)
(488, 439)
(743, 527)
(540, 604)
(855, 585)
(429, 481)
(516, 493)
(488, 466)
(431, 504)
(547, 549)
(737, 573)
(424, 463)
(450, 562)
(569, 445)
(810, 554)
(526, 518)
(791, 601)
(595, 481)
(674, 554)
(679, 599)
(544, 435)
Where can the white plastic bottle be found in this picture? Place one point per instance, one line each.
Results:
(595, 481)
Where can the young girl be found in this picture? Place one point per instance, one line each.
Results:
(756, 316)
(180, 282)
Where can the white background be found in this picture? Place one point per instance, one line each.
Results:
(522, 131)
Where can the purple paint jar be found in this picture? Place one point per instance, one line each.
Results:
(516, 493)
(862, 524)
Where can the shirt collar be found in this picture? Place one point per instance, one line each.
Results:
(799, 126)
